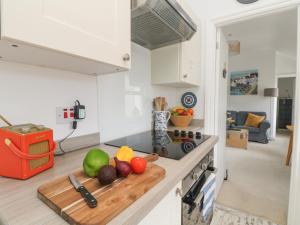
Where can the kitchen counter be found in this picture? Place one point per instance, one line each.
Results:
(19, 204)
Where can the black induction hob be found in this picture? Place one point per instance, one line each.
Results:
(173, 145)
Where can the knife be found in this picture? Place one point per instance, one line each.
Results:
(88, 197)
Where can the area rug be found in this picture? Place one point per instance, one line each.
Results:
(228, 216)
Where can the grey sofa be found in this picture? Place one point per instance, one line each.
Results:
(255, 134)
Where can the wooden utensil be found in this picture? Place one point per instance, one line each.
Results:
(60, 195)
(160, 104)
(165, 104)
(157, 104)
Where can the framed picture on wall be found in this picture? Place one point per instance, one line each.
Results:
(244, 82)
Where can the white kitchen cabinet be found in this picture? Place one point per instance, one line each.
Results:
(178, 65)
(167, 212)
(91, 37)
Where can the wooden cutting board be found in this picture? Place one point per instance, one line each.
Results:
(61, 196)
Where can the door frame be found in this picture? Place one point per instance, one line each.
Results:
(211, 97)
(222, 142)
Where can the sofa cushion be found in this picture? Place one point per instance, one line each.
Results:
(242, 116)
(254, 120)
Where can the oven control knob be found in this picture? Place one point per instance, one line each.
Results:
(176, 132)
(198, 135)
(191, 134)
(195, 176)
(183, 133)
(204, 166)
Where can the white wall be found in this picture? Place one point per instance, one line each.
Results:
(285, 64)
(125, 99)
(200, 93)
(264, 61)
(30, 94)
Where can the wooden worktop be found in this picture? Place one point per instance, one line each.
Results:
(19, 204)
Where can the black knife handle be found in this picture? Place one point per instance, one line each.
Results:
(88, 197)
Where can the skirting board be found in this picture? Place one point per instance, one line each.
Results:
(79, 142)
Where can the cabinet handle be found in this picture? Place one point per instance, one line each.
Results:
(126, 57)
(185, 75)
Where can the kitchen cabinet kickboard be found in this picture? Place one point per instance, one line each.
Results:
(61, 196)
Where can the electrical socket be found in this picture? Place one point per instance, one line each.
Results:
(64, 115)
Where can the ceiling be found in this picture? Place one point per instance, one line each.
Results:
(273, 32)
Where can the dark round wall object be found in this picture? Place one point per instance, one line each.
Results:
(189, 100)
(247, 1)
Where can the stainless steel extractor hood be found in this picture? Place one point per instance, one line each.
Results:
(158, 23)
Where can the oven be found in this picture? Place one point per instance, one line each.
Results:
(193, 196)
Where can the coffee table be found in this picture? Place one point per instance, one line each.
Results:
(237, 138)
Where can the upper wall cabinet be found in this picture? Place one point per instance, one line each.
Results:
(92, 38)
(178, 65)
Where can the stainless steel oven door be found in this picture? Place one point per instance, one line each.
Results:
(192, 203)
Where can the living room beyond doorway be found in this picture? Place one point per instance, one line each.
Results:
(260, 50)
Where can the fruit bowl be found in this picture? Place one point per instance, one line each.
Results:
(181, 121)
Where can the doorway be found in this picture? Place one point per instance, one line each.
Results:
(286, 101)
(259, 177)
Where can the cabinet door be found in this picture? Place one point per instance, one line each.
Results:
(191, 52)
(165, 63)
(96, 29)
(167, 212)
(191, 59)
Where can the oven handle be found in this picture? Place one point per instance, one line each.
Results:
(197, 204)
(23, 155)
